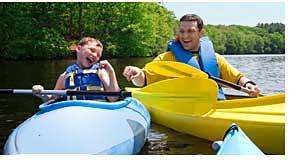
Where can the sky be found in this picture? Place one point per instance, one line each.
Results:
(227, 13)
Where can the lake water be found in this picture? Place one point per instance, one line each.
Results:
(266, 70)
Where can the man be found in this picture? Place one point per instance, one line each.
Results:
(193, 48)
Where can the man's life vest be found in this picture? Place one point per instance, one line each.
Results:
(207, 59)
(86, 79)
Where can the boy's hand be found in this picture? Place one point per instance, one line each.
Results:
(36, 90)
(106, 66)
(105, 72)
(108, 77)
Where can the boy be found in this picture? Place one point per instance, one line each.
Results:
(86, 73)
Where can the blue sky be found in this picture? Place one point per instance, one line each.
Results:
(227, 13)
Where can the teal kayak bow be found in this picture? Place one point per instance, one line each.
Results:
(236, 142)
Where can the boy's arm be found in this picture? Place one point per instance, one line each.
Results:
(60, 82)
(113, 86)
(58, 86)
(109, 79)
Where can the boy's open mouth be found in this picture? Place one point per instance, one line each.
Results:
(186, 41)
(91, 59)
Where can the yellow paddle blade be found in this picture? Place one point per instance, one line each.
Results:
(177, 69)
(174, 69)
(180, 95)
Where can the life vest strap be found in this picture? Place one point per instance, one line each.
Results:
(97, 88)
(89, 71)
(72, 75)
(83, 79)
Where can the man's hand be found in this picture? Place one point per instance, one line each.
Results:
(254, 90)
(134, 74)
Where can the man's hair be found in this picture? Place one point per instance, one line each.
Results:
(86, 40)
(193, 17)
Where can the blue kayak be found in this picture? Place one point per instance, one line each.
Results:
(82, 127)
(236, 142)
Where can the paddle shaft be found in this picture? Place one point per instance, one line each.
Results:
(229, 84)
(122, 94)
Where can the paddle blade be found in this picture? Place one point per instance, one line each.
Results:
(174, 69)
(190, 96)
(177, 69)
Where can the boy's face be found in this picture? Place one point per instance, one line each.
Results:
(88, 54)
(189, 35)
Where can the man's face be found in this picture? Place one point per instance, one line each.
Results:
(88, 54)
(189, 35)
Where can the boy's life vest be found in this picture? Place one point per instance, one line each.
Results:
(207, 60)
(86, 79)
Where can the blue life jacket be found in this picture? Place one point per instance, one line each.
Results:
(207, 59)
(87, 79)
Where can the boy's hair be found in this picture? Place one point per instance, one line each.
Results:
(193, 17)
(86, 40)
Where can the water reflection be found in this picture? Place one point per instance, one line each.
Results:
(162, 141)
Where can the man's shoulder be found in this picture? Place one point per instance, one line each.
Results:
(165, 56)
(167, 53)
(219, 56)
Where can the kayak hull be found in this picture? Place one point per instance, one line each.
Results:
(82, 127)
(262, 118)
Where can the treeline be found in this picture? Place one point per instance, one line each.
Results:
(47, 30)
(234, 39)
(272, 27)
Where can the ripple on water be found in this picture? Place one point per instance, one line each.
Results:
(162, 140)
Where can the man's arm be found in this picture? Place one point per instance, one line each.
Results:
(135, 75)
(141, 77)
(229, 73)
(250, 85)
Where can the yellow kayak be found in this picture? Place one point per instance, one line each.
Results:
(198, 114)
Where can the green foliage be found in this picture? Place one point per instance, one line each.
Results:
(17, 49)
(272, 27)
(236, 39)
(48, 43)
(45, 44)
(41, 30)
(44, 30)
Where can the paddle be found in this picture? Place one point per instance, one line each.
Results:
(176, 87)
(122, 94)
(177, 69)
(184, 95)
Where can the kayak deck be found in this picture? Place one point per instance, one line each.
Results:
(82, 127)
